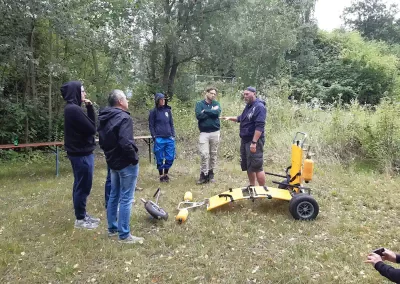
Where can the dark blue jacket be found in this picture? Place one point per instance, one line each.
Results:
(388, 271)
(116, 138)
(252, 119)
(161, 123)
(79, 127)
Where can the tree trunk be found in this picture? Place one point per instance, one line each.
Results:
(171, 79)
(167, 67)
(32, 63)
(50, 84)
(96, 72)
(153, 55)
(25, 101)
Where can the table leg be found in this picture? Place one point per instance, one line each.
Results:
(149, 143)
(57, 162)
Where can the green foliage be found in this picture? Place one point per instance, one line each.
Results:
(349, 68)
(12, 120)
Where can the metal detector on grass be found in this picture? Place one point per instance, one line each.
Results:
(153, 209)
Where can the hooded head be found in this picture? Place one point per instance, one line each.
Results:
(157, 98)
(72, 92)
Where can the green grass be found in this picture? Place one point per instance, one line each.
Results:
(244, 242)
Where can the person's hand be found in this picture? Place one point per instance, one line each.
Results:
(215, 108)
(389, 255)
(87, 102)
(373, 258)
(202, 111)
(227, 117)
(253, 147)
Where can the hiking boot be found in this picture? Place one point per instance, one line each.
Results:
(162, 179)
(131, 240)
(92, 218)
(166, 178)
(85, 224)
(203, 178)
(211, 176)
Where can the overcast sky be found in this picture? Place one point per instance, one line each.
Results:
(328, 12)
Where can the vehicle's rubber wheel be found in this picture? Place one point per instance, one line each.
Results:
(155, 211)
(303, 206)
(283, 186)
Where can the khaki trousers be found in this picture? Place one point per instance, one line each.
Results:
(208, 148)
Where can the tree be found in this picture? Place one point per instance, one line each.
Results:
(374, 19)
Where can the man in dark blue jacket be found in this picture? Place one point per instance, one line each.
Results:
(116, 140)
(162, 130)
(79, 131)
(252, 123)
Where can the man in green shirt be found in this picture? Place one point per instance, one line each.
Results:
(207, 114)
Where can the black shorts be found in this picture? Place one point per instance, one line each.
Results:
(252, 162)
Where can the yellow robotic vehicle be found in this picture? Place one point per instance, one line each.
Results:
(302, 205)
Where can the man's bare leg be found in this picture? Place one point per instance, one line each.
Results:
(252, 177)
(261, 178)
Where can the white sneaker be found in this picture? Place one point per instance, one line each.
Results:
(92, 218)
(85, 224)
(132, 240)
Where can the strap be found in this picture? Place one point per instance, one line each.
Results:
(226, 195)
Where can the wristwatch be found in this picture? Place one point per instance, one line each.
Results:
(253, 142)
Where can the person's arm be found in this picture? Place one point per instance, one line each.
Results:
(260, 115)
(200, 115)
(126, 141)
(215, 112)
(259, 120)
(253, 144)
(90, 111)
(230, 118)
(82, 122)
(171, 123)
(388, 271)
(151, 124)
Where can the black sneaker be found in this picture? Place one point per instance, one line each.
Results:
(203, 178)
(162, 179)
(211, 176)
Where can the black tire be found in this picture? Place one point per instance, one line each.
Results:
(283, 186)
(303, 206)
(155, 211)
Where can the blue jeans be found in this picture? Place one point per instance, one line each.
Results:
(123, 184)
(82, 167)
(164, 148)
(107, 187)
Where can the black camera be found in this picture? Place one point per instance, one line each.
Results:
(379, 251)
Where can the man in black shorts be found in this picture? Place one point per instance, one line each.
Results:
(252, 123)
